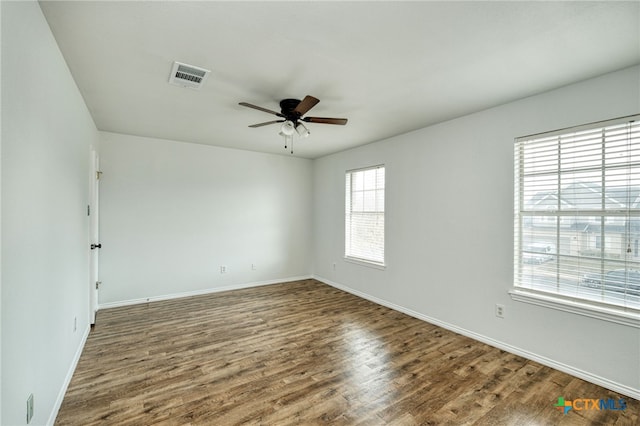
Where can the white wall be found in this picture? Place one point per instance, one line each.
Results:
(449, 229)
(46, 134)
(172, 213)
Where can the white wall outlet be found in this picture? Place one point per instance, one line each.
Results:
(223, 269)
(29, 408)
(253, 267)
(499, 310)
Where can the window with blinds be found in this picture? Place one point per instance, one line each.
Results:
(364, 216)
(577, 215)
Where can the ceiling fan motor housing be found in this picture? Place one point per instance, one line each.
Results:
(287, 107)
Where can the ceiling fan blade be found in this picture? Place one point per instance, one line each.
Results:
(306, 104)
(267, 123)
(260, 109)
(326, 120)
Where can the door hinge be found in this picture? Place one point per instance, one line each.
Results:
(98, 284)
(88, 210)
(98, 174)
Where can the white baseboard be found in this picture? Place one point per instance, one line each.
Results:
(67, 379)
(589, 377)
(198, 292)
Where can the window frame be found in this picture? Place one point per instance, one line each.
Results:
(348, 232)
(579, 303)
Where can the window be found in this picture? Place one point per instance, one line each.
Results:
(577, 219)
(364, 216)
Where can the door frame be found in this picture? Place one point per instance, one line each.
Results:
(93, 210)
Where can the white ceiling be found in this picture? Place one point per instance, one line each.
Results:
(389, 67)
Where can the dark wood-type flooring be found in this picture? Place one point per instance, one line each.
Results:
(307, 353)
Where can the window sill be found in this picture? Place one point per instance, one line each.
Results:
(366, 263)
(622, 316)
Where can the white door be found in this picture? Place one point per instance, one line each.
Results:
(94, 236)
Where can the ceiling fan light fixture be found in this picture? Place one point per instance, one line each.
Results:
(287, 128)
(302, 130)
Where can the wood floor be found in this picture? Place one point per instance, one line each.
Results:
(307, 353)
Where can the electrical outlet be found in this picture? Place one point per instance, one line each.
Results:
(253, 267)
(29, 408)
(223, 269)
(499, 310)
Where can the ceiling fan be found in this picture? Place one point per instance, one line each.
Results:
(291, 116)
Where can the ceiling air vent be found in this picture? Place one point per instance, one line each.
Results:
(187, 75)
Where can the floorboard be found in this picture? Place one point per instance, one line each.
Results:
(307, 353)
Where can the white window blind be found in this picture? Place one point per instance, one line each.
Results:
(364, 217)
(577, 215)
